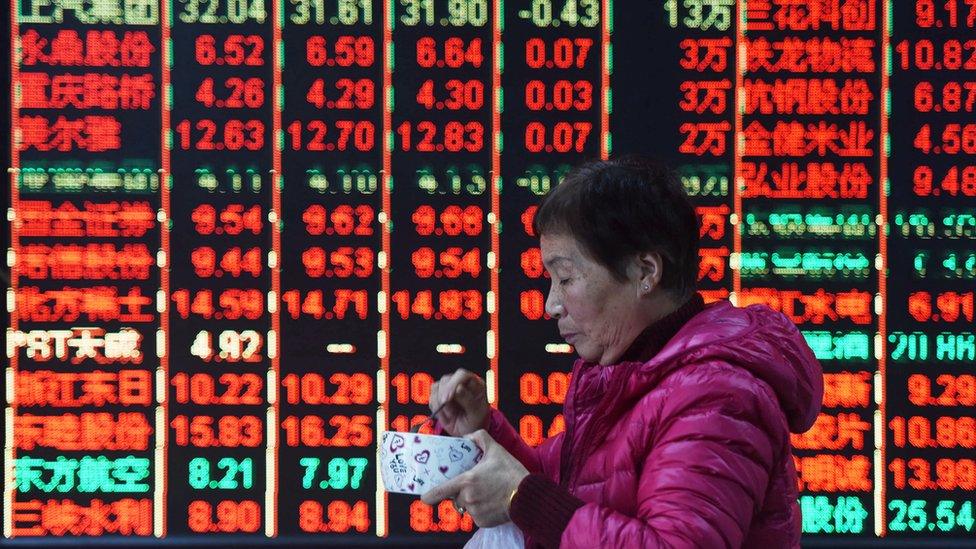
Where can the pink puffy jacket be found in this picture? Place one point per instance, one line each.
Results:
(692, 448)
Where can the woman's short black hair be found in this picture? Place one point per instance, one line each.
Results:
(622, 207)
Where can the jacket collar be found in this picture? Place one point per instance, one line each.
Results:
(613, 384)
(649, 342)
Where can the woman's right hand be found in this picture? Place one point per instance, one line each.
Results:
(466, 396)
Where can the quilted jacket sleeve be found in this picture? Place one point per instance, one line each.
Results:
(713, 440)
(544, 459)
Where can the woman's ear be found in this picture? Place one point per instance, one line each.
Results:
(651, 268)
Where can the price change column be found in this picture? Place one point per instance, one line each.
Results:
(809, 180)
(441, 301)
(82, 346)
(332, 256)
(557, 99)
(931, 389)
(707, 108)
(220, 339)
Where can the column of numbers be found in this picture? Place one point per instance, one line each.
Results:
(220, 340)
(555, 102)
(440, 301)
(331, 261)
(930, 432)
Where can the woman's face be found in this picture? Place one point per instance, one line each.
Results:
(597, 313)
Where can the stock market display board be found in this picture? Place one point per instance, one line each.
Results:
(243, 238)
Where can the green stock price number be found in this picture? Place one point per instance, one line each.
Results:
(236, 474)
(340, 473)
(914, 515)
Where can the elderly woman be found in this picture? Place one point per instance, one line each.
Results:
(678, 417)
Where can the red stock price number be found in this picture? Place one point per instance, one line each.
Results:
(953, 55)
(226, 516)
(337, 516)
(345, 51)
(443, 518)
(948, 474)
(957, 181)
(534, 390)
(951, 97)
(955, 139)
(948, 390)
(233, 262)
(342, 220)
(224, 431)
(562, 53)
(342, 262)
(454, 136)
(532, 430)
(945, 432)
(340, 388)
(228, 389)
(313, 304)
(451, 221)
(460, 94)
(562, 95)
(413, 387)
(453, 262)
(562, 137)
(452, 52)
(233, 136)
(237, 93)
(955, 11)
(235, 50)
(233, 303)
(532, 304)
(351, 94)
(447, 304)
(314, 135)
(335, 431)
(233, 219)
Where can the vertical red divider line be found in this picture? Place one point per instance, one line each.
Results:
(164, 152)
(15, 245)
(605, 81)
(276, 180)
(496, 175)
(740, 36)
(385, 232)
(883, 250)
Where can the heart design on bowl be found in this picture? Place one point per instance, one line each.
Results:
(412, 463)
(397, 443)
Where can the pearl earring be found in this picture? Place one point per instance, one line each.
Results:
(646, 287)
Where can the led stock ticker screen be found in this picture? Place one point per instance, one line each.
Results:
(244, 237)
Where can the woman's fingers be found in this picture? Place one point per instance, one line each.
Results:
(445, 388)
(444, 491)
(481, 438)
(434, 398)
(449, 413)
(439, 392)
(451, 387)
(458, 396)
(470, 392)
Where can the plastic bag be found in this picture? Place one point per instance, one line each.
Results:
(505, 536)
